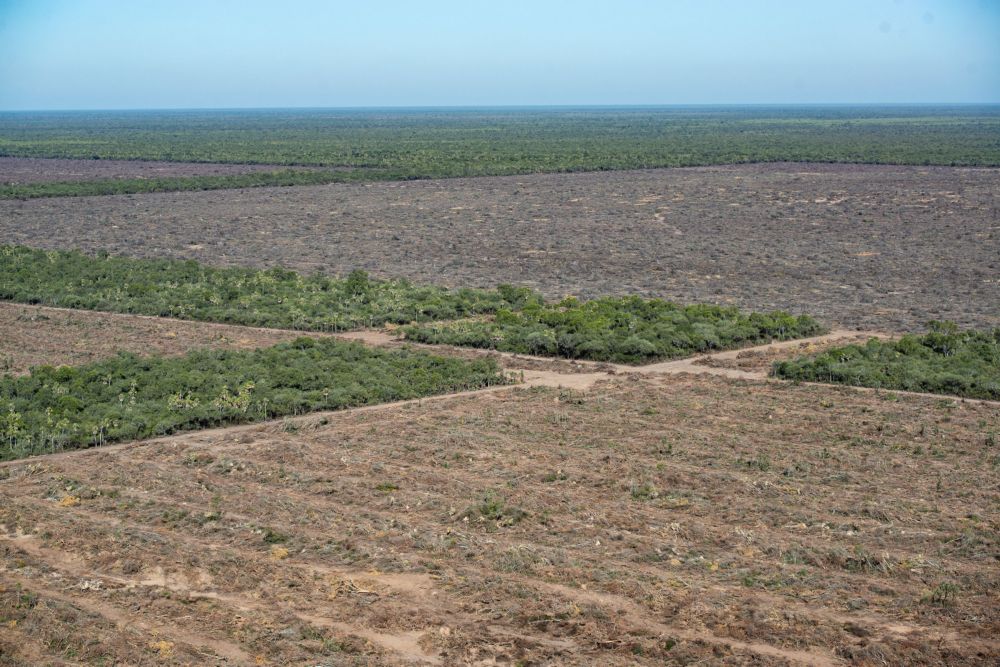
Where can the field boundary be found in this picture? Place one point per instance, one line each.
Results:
(528, 379)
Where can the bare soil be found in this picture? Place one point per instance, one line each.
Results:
(880, 247)
(761, 359)
(649, 520)
(23, 170)
(34, 335)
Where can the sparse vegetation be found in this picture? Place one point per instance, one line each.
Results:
(494, 511)
(627, 329)
(946, 360)
(131, 397)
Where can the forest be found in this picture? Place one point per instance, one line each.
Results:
(130, 397)
(945, 360)
(275, 298)
(409, 144)
(629, 330)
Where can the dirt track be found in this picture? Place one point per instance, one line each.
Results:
(878, 247)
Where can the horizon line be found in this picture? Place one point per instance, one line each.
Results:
(507, 106)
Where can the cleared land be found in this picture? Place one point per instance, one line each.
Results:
(761, 359)
(33, 335)
(879, 247)
(24, 170)
(692, 511)
(647, 521)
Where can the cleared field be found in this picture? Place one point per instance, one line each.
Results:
(33, 335)
(761, 360)
(648, 521)
(23, 170)
(879, 247)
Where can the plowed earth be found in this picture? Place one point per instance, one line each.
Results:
(33, 335)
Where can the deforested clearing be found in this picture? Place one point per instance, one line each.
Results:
(448, 398)
(642, 522)
(873, 246)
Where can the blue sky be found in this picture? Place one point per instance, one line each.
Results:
(114, 54)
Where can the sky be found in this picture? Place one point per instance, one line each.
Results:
(129, 54)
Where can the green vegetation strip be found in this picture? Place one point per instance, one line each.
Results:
(273, 298)
(120, 186)
(624, 330)
(130, 397)
(407, 144)
(943, 361)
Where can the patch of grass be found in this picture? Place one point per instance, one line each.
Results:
(494, 511)
(624, 330)
(761, 462)
(130, 397)
(861, 560)
(274, 298)
(644, 491)
(271, 536)
(942, 595)
(945, 360)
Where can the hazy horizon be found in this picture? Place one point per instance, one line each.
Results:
(91, 55)
(525, 107)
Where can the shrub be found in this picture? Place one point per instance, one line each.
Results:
(129, 397)
(943, 361)
(274, 298)
(626, 329)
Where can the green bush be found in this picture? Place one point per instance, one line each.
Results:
(130, 397)
(274, 298)
(627, 329)
(943, 361)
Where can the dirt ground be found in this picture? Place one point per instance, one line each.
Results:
(33, 335)
(882, 247)
(36, 335)
(22, 170)
(760, 360)
(671, 520)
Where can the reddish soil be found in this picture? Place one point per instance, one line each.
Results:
(649, 520)
(32, 335)
(879, 247)
(23, 170)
